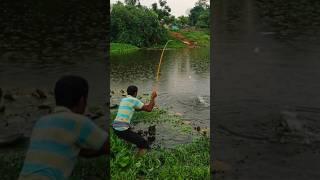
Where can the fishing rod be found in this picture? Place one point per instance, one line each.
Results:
(159, 65)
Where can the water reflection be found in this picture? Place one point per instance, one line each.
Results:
(265, 62)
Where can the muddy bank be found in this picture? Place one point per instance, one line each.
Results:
(164, 128)
(265, 108)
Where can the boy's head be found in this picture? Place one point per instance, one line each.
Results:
(72, 92)
(132, 90)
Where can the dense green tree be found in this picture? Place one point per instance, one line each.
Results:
(136, 25)
(200, 14)
(204, 19)
(131, 2)
(163, 11)
(194, 15)
(182, 20)
(203, 3)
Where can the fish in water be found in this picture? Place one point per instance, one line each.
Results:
(202, 101)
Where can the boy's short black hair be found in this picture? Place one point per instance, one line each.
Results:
(69, 89)
(132, 90)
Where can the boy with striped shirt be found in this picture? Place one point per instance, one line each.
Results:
(59, 138)
(122, 122)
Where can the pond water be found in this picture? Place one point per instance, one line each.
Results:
(26, 71)
(23, 72)
(184, 85)
(266, 62)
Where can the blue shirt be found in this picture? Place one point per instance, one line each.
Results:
(125, 112)
(56, 142)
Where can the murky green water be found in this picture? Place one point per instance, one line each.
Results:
(21, 73)
(266, 60)
(184, 85)
(26, 71)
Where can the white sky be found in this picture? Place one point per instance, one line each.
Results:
(178, 7)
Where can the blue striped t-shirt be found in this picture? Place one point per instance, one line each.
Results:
(56, 142)
(125, 112)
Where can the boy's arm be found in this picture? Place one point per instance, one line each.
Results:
(92, 140)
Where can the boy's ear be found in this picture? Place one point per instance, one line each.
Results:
(83, 100)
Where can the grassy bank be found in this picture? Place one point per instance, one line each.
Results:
(202, 37)
(190, 161)
(187, 161)
(11, 163)
(121, 48)
(174, 44)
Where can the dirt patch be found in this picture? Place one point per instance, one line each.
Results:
(182, 38)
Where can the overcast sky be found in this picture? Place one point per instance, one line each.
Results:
(178, 7)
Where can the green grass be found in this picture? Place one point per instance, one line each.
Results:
(188, 161)
(202, 37)
(121, 48)
(159, 116)
(174, 44)
(11, 163)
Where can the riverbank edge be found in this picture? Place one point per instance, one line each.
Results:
(122, 48)
(200, 36)
(189, 160)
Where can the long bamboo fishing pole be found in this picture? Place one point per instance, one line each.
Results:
(159, 66)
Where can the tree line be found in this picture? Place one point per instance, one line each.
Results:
(143, 26)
